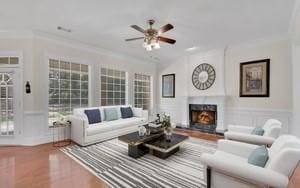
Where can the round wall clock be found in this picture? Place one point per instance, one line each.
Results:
(203, 76)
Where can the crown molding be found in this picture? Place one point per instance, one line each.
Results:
(87, 47)
(28, 34)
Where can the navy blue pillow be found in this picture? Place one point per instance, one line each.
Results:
(126, 112)
(94, 116)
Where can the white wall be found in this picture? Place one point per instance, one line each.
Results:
(184, 88)
(295, 38)
(255, 111)
(280, 75)
(245, 111)
(35, 50)
(295, 129)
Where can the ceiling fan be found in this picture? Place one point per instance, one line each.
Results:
(153, 36)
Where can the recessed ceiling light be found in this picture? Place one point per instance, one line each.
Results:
(64, 29)
(192, 48)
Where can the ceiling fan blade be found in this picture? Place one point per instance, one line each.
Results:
(165, 28)
(167, 40)
(138, 28)
(137, 38)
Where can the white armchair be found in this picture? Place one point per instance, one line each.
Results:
(240, 133)
(229, 167)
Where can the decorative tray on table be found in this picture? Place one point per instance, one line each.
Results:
(155, 128)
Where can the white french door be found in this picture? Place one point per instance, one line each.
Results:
(10, 95)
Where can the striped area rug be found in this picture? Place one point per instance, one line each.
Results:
(109, 161)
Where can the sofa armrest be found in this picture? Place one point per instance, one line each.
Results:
(145, 115)
(236, 148)
(250, 138)
(78, 128)
(240, 129)
(245, 171)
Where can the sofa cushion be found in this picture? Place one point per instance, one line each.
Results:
(137, 112)
(107, 126)
(126, 112)
(259, 156)
(111, 114)
(98, 128)
(93, 116)
(124, 123)
(258, 131)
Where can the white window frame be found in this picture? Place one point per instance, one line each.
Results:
(48, 57)
(150, 93)
(18, 94)
(100, 84)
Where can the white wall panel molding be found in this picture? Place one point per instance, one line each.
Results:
(257, 117)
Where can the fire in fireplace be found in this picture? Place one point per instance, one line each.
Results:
(203, 117)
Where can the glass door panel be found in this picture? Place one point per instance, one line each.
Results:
(7, 115)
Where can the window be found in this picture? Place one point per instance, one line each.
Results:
(6, 104)
(68, 88)
(8, 96)
(113, 87)
(9, 60)
(142, 91)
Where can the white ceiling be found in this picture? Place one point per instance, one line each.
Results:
(105, 24)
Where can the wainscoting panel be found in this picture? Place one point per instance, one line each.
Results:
(257, 117)
(235, 116)
(178, 113)
(35, 129)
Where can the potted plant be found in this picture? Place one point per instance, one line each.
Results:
(166, 123)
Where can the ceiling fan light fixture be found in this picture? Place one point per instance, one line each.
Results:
(152, 36)
(156, 46)
(145, 44)
(148, 48)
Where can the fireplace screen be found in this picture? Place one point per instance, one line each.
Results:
(204, 117)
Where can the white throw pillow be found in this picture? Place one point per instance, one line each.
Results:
(137, 112)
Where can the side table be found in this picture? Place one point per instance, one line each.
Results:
(60, 133)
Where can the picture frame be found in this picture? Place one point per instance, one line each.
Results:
(255, 78)
(168, 86)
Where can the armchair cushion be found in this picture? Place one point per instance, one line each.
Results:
(245, 171)
(236, 148)
(93, 116)
(258, 131)
(259, 156)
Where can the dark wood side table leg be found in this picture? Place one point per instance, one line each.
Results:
(208, 177)
(137, 151)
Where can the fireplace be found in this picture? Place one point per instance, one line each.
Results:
(203, 117)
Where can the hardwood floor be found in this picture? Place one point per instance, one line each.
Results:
(46, 166)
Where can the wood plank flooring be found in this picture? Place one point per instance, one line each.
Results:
(45, 166)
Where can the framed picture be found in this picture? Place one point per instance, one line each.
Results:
(255, 78)
(168, 85)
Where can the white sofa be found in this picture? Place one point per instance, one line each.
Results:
(272, 129)
(84, 133)
(229, 167)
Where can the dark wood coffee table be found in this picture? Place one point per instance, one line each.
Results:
(154, 143)
(162, 148)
